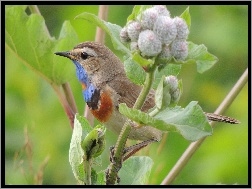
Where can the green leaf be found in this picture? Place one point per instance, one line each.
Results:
(134, 13)
(136, 170)
(75, 152)
(187, 17)
(27, 37)
(190, 122)
(203, 59)
(142, 61)
(86, 128)
(159, 94)
(134, 71)
(112, 30)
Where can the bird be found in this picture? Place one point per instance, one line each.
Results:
(105, 85)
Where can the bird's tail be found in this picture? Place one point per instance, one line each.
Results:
(221, 118)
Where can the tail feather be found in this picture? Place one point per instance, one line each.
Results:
(221, 118)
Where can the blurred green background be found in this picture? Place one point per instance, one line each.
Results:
(31, 103)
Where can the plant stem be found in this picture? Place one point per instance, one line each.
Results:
(145, 90)
(65, 104)
(114, 167)
(87, 170)
(195, 145)
(69, 96)
(154, 112)
(35, 10)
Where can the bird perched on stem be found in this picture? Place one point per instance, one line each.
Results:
(105, 85)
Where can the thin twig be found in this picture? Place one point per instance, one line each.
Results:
(195, 145)
(69, 96)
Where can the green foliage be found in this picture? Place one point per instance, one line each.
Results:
(190, 121)
(28, 38)
(136, 170)
(162, 99)
(85, 146)
(76, 152)
(198, 54)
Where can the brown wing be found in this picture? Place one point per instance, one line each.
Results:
(129, 92)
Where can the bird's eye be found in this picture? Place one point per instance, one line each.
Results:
(84, 55)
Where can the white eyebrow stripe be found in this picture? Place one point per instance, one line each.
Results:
(89, 51)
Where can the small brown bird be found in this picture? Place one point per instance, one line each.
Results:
(105, 85)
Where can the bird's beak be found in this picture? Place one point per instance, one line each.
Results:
(65, 54)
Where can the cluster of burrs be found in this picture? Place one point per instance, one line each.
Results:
(155, 33)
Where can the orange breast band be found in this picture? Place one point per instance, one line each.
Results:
(105, 108)
(83, 86)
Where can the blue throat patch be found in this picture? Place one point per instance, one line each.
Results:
(91, 94)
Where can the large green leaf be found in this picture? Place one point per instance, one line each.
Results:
(135, 170)
(28, 38)
(190, 122)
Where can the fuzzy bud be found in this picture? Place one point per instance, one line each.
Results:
(149, 17)
(162, 10)
(179, 49)
(165, 29)
(172, 81)
(174, 90)
(175, 96)
(149, 44)
(133, 29)
(182, 29)
(124, 35)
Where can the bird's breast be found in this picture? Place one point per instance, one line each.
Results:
(105, 107)
(99, 102)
